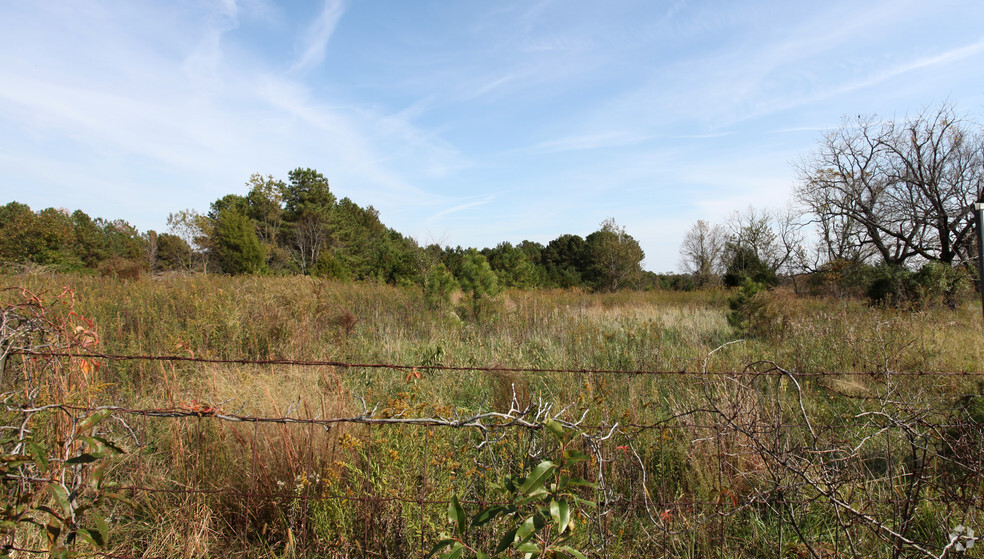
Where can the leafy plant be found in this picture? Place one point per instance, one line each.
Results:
(75, 486)
(52, 464)
(536, 515)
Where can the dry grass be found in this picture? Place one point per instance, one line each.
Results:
(303, 318)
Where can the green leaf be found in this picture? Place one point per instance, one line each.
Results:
(582, 482)
(109, 444)
(537, 477)
(61, 497)
(441, 545)
(529, 528)
(96, 476)
(39, 455)
(507, 539)
(556, 428)
(82, 459)
(456, 514)
(480, 555)
(92, 536)
(572, 457)
(487, 515)
(584, 502)
(102, 527)
(103, 443)
(560, 512)
(457, 553)
(92, 420)
(11, 461)
(572, 551)
(528, 547)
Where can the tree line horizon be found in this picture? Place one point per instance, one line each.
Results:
(298, 226)
(875, 197)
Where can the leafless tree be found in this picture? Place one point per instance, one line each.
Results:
(774, 236)
(897, 190)
(700, 253)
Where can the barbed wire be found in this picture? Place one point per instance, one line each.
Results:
(479, 368)
(799, 467)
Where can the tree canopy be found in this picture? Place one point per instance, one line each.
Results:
(299, 226)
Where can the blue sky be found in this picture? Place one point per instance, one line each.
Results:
(463, 122)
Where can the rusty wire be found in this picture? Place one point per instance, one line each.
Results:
(476, 368)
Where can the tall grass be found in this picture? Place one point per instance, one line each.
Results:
(309, 319)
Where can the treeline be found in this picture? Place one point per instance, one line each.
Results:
(69, 241)
(298, 226)
(884, 209)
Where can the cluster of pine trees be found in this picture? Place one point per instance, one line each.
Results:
(298, 226)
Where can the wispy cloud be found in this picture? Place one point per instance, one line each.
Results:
(460, 208)
(588, 141)
(648, 113)
(315, 41)
(920, 63)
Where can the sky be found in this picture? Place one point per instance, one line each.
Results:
(463, 122)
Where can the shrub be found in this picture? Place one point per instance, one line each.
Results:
(438, 287)
(892, 285)
(941, 283)
(744, 306)
(121, 268)
(934, 283)
(841, 278)
(744, 264)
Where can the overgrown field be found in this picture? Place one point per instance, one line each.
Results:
(814, 439)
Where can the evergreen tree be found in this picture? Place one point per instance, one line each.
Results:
(238, 248)
(308, 207)
(477, 278)
(439, 286)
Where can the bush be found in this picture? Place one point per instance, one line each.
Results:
(745, 305)
(121, 268)
(892, 285)
(745, 264)
(842, 278)
(935, 283)
(940, 283)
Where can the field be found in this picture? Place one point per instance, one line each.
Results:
(839, 430)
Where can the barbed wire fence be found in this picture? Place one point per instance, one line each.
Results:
(756, 457)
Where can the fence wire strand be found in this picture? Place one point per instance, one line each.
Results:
(762, 466)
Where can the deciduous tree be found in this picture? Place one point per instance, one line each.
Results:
(308, 205)
(701, 251)
(616, 256)
(898, 189)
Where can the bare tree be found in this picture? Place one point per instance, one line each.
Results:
(700, 253)
(774, 236)
(196, 231)
(896, 189)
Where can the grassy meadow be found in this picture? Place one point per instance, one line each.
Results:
(876, 464)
